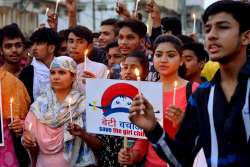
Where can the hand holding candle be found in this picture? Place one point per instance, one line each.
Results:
(137, 73)
(174, 96)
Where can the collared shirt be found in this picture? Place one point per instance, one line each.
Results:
(233, 147)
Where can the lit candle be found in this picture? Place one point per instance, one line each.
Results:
(70, 112)
(136, 6)
(11, 110)
(137, 73)
(47, 11)
(85, 59)
(174, 96)
(107, 72)
(30, 126)
(194, 23)
(57, 2)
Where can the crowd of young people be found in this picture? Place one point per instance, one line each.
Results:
(46, 70)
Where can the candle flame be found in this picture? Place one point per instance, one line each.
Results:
(175, 84)
(137, 72)
(194, 16)
(70, 100)
(108, 71)
(30, 126)
(86, 52)
(11, 100)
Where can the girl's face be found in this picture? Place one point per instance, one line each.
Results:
(167, 59)
(61, 79)
(128, 68)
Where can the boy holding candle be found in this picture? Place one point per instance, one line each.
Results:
(79, 46)
(217, 116)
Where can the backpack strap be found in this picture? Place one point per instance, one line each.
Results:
(188, 89)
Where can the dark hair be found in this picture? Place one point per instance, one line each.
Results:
(82, 32)
(46, 35)
(169, 39)
(96, 35)
(111, 22)
(112, 44)
(143, 61)
(11, 31)
(63, 34)
(172, 24)
(136, 26)
(239, 10)
(185, 39)
(198, 49)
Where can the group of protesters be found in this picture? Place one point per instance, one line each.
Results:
(42, 74)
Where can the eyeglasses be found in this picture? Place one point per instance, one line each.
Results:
(10, 45)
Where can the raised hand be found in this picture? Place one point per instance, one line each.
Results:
(52, 20)
(146, 121)
(71, 6)
(122, 11)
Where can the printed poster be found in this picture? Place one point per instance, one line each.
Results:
(108, 102)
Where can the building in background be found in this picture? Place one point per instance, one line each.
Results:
(92, 12)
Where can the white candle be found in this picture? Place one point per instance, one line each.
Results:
(136, 6)
(137, 73)
(70, 111)
(85, 59)
(11, 110)
(47, 11)
(30, 126)
(174, 96)
(57, 2)
(194, 23)
(107, 72)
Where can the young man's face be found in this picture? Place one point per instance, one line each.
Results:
(107, 35)
(128, 68)
(128, 41)
(222, 37)
(114, 56)
(12, 50)
(76, 47)
(193, 67)
(41, 50)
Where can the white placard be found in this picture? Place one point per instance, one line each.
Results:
(1, 118)
(108, 102)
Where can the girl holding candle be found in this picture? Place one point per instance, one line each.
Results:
(167, 60)
(52, 141)
(110, 145)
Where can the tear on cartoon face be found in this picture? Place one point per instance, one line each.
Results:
(121, 102)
